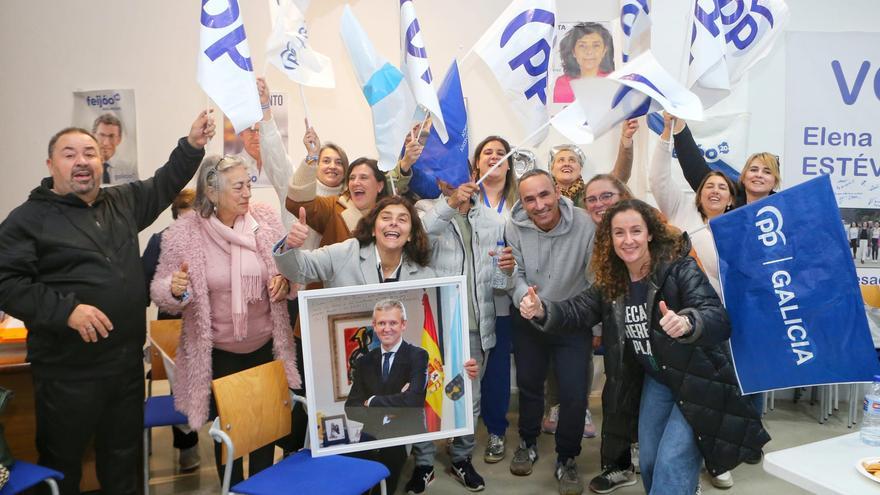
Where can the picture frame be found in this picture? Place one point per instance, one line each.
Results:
(421, 394)
(351, 335)
(335, 430)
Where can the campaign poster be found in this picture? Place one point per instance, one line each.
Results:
(582, 49)
(832, 103)
(110, 115)
(246, 144)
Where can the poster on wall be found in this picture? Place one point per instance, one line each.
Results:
(110, 115)
(246, 144)
(832, 103)
(582, 49)
(384, 364)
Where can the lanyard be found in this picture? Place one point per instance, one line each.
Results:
(486, 200)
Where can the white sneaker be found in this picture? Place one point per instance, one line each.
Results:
(589, 427)
(723, 480)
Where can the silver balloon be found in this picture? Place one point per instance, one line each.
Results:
(523, 161)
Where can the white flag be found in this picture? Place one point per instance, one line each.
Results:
(633, 90)
(517, 50)
(414, 65)
(728, 40)
(385, 88)
(635, 23)
(225, 71)
(571, 122)
(288, 49)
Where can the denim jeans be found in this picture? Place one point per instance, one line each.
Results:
(668, 454)
(496, 379)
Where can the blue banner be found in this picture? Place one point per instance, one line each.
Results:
(791, 291)
(447, 162)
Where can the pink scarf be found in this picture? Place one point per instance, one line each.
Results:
(245, 274)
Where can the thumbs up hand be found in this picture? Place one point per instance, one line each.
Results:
(676, 326)
(298, 232)
(531, 306)
(180, 281)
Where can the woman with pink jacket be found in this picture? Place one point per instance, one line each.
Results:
(216, 270)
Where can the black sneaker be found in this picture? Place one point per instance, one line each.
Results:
(523, 459)
(612, 479)
(422, 477)
(569, 480)
(755, 459)
(465, 473)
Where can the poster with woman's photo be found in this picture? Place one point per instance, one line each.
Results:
(583, 49)
(246, 144)
(384, 364)
(110, 115)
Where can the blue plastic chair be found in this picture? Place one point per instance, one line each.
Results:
(158, 411)
(24, 475)
(259, 398)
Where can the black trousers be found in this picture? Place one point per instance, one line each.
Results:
(392, 457)
(532, 353)
(227, 363)
(70, 414)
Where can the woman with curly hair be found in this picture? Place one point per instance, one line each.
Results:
(667, 361)
(586, 51)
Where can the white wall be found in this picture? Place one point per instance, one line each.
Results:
(55, 48)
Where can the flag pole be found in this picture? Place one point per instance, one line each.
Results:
(424, 121)
(302, 96)
(514, 150)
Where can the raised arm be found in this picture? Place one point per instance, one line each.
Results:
(693, 165)
(623, 166)
(669, 197)
(276, 163)
(148, 198)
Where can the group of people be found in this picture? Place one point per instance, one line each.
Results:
(864, 240)
(588, 266)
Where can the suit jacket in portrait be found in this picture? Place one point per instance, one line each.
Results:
(392, 412)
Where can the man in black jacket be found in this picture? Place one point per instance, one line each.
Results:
(70, 269)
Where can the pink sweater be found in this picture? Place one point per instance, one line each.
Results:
(183, 241)
(259, 322)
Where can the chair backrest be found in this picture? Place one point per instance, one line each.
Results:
(164, 334)
(871, 295)
(254, 407)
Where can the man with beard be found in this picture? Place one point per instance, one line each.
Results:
(70, 269)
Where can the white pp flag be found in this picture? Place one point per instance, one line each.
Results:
(414, 65)
(635, 23)
(728, 39)
(572, 123)
(517, 50)
(633, 90)
(225, 71)
(385, 88)
(288, 49)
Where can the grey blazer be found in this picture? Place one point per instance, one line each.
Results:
(342, 264)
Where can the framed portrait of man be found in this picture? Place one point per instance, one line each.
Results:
(384, 364)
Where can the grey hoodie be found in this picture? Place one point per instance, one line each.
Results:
(555, 261)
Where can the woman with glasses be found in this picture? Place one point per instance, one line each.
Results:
(216, 270)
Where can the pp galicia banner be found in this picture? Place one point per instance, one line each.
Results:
(790, 289)
(110, 115)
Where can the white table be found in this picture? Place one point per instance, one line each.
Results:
(826, 467)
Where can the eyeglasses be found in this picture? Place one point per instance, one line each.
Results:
(604, 197)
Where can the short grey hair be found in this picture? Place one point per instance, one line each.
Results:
(388, 304)
(211, 177)
(107, 119)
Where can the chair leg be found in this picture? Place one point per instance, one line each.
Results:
(53, 486)
(383, 487)
(146, 462)
(772, 400)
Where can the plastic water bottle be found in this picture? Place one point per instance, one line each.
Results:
(870, 433)
(499, 278)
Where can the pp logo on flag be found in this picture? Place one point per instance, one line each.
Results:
(771, 227)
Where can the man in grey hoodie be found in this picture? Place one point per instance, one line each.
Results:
(552, 243)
